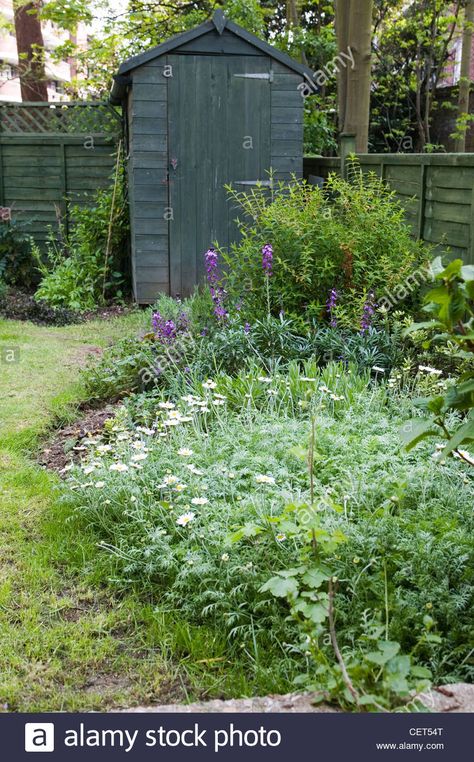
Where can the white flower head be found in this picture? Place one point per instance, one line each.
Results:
(209, 384)
(166, 405)
(185, 452)
(120, 467)
(264, 479)
(185, 518)
(140, 456)
(199, 500)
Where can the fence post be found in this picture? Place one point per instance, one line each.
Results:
(347, 145)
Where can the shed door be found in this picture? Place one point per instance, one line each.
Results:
(219, 133)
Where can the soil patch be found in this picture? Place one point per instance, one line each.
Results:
(60, 450)
(21, 305)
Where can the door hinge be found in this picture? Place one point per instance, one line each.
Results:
(256, 75)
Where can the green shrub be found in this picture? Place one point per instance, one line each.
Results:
(451, 305)
(84, 268)
(349, 236)
(16, 260)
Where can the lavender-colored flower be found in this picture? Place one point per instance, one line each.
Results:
(368, 312)
(247, 328)
(212, 274)
(267, 258)
(330, 304)
(167, 331)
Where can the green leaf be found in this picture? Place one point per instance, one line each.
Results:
(387, 651)
(414, 431)
(280, 587)
(421, 672)
(316, 612)
(315, 578)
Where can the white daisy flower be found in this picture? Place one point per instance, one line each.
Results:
(104, 448)
(139, 456)
(179, 488)
(265, 379)
(199, 500)
(144, 430)
(120, 467)
(209, 384)
(185, 452)
(225, 557)
(280, 537)
(100, 485)
(264, 479)
(218, 402)
(185, 518)
(166, 405)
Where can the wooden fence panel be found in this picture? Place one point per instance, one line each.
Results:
(52, 157)
(436, 190)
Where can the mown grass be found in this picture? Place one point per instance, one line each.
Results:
(63, 645)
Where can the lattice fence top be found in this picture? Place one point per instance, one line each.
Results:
(65, 118)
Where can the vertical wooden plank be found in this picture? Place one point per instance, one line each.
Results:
(64, 189)
(422, 201)
(470, 251)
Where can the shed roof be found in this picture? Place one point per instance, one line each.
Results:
(218, 23)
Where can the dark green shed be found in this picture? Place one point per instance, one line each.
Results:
(212, 106)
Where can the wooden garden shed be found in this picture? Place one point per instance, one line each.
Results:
(212, 106)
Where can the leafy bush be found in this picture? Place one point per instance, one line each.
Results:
(84, 268)
(194, 499)
(451, 302)
(349, 236)
(16, 261)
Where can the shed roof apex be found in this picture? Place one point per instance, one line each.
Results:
(218, 23)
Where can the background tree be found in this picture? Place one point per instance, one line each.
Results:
(30, 47)
(412, 44)
(354, 31)
(463, 117)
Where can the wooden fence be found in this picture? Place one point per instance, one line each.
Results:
(53, 156)
(436, 190)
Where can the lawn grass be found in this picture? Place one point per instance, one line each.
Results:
(63, 645)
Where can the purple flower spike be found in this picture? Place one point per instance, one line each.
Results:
(217, 292)
(330, 304)
(167, 331)
(267, 258)
(247, 328)
(368, 312)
